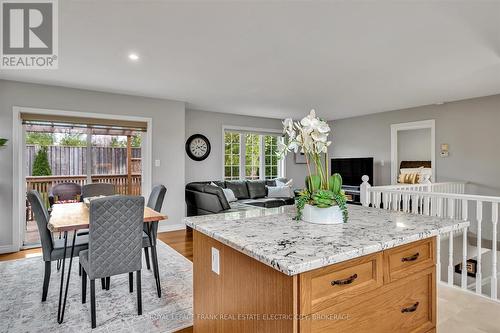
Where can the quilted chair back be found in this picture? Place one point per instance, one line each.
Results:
(42, 219)
(115, 235)
(96, 189)
(155, 200)
(66, 191)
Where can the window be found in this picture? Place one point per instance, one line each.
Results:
(232, 156)
(251, 156)
(271, 159)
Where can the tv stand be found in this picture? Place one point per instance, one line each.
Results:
(353, 194)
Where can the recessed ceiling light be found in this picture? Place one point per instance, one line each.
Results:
(133, 56)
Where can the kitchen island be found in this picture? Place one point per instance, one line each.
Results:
(259, 270)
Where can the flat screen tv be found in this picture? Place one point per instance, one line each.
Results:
(352, 169)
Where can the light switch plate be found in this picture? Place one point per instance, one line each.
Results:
(215, 261)
(157, 163)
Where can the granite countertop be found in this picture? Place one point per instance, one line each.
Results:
(272, 237)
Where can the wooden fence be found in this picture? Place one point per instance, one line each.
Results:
(73, 160)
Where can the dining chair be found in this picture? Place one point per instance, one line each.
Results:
(115, 242)
(94, 190)
(155, 202)
(97, 189)
(52, 249)
(150, 231)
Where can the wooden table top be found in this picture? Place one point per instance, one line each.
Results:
(73, 216)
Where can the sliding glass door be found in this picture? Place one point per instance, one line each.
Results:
(61, 157)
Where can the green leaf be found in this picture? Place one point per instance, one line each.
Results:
(335, 183)
(313, 183)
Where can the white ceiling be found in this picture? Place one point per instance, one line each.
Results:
(280, 59)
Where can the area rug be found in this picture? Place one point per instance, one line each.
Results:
(21, 309)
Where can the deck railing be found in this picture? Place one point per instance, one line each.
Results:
(43, 184)
(476, 246)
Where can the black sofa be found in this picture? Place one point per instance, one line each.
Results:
(203, 198)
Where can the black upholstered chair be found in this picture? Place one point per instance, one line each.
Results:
(65, 192)
(155, 202)
(115, 242)
(52, 249)
(97, 189)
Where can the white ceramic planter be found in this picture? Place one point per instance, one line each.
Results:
(330, 215)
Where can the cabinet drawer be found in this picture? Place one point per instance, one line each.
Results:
(338, 283)
(404, 306)
(408, 259)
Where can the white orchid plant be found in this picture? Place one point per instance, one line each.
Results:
(310, 137)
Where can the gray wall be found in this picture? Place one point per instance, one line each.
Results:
(470, 127)
(414, 145)
(168, 136)
(210, 124)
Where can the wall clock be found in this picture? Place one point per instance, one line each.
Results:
(198, 147)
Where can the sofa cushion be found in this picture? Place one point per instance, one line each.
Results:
(239, 188)
(256, 188)
(196, 187)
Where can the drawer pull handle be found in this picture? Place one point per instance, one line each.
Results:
(349, 280)
(410, 258)
(409, 309)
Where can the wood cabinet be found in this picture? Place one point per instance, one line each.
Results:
(388, 291)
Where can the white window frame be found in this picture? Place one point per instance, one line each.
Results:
(260, 131)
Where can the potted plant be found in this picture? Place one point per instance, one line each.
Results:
(3, 142)
(322, 201)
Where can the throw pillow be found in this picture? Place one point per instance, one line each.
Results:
(280, 192)
(408, 178)
(279, 182)
(228, 193)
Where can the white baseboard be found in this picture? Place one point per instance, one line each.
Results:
(170, 227)
(8, 248)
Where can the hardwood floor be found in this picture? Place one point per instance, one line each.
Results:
(180, 240)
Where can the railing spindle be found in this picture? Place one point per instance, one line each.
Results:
(465, 216)
(494, 221)
(479, 275)
(450, 259)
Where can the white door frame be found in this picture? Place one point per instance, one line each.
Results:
(395, 128)
(19, 172)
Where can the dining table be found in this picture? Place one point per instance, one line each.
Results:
(71, 217)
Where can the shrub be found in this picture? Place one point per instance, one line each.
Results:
(41, 166)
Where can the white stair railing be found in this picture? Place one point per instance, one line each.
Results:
(448, 200)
